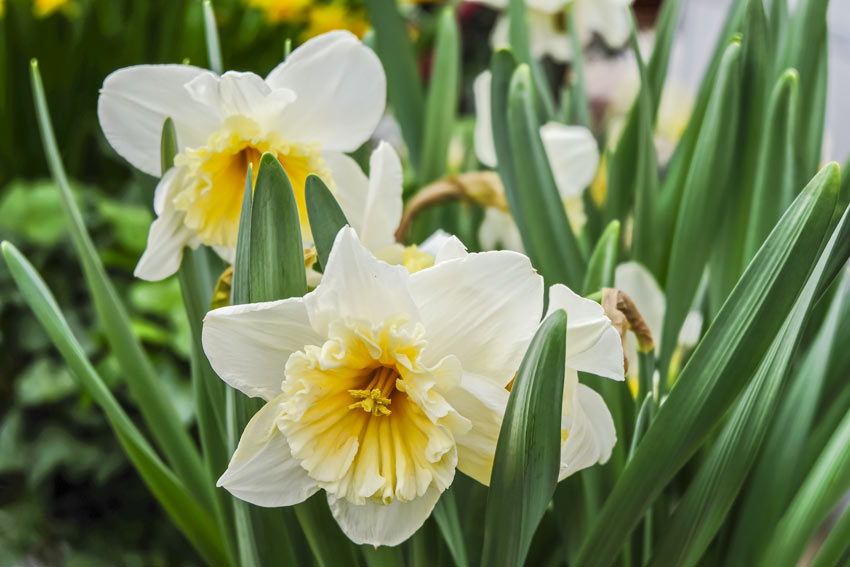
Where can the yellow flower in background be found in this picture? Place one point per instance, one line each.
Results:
(44, 8)
(277, 11)
(323, 18)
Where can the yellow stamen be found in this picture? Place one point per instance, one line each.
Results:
(373, 399)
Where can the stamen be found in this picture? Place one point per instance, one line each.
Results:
(376, 397)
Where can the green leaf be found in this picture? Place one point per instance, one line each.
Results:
(603, 260)
(805, 49)
(211, 34)
(521, 46)
(823, 488)
(732, 347)
(168, 147)
(727, 262)
(639, 157)
(327, 542)
(665, 31)
(404, 85)
(442, 99)
(680, 164)
(768, 493)
(240, 290)
(545, 230)
(702, 201)
(526, 465)
(446, 516)
(837, 542)
(156, 407)
(179, 502)
(710, 496)
(578, 105)
(775, 181)
(326, 217)
(276, 251)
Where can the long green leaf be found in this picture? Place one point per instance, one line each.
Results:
(521, 46)
(727, 262)
(187, 513)
(644, 172)
(276, 251)
(603, 260)
(156, 406)
(327, 543)
(441, 102)
(326, 217)
(404, 86)
(711, 494)
(680, 164)
(702, 201)
(733, 346)
(211, 34)
(525, 469)
(805, 49)
(775, 181)
(545, 230)
(197, 281)
(828, 481)
(769, 493)
(837, 542)
(446, 516)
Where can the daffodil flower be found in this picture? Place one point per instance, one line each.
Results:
(373, 207)
(325, 99)
(380, 383)
(572, 153)
(548, 33)
(639, 284)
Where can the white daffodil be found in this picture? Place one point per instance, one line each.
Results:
(593, 346)
(325, 99)
(379, 383)
(547, 30)
(636, 281)
(573, 156)
(373, 207)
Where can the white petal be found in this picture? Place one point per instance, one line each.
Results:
(134, 103)
(484, 145)
(262, 471)
(248, 345)
(341, 91)
(382, 212)
(573, 156)
(352, 187)
(168, 234)
(243, 94)
(593, 344)
(451, 249)
(548, 36)
(483, 308)
(639, 284)
(610, 19)
(377, 524)
(498, 231)
(691, 329)
(591, 435)
(483, 403)
(357, 285)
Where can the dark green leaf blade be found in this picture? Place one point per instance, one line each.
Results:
(734, 344)
(326, 217)
(525, 469)
(276, 251)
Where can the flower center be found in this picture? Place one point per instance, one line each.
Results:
(366, 419)
(214, 184)
(377, 395)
